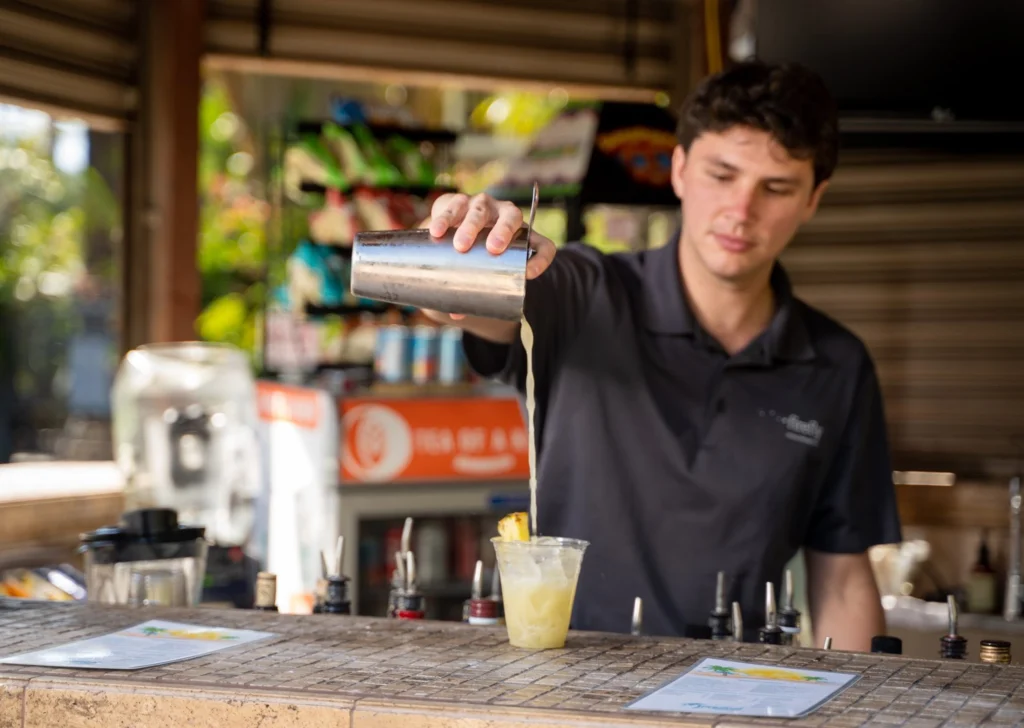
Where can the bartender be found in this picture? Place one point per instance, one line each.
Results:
(693, 415)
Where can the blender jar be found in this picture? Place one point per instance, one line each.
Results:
(149, 559)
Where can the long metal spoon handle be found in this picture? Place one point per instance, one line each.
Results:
(737, 622)
(770, 618)
(533, 212)
(477, 591)
(637, 624)
(720, 593)
(410, 572)
(407, 534)
(400, 569)
(496, 583)
(339, 556)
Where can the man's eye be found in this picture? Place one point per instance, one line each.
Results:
(721, 177)
(779, 190)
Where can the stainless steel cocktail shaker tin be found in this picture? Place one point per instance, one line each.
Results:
(412, 268)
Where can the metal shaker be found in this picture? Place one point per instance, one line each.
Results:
(412, 268)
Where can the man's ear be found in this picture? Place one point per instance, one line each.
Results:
(812, 204)
(678, 164)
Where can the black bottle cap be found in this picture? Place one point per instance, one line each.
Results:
(336, 599)
(789, 618)
(887, 644)
(953, 647)
(410, 603)
(771, 636)
(998, 644)
(719, 624)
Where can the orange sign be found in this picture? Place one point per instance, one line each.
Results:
(281, 403)
(393, 440)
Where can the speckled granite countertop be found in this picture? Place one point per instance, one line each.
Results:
(374, 673)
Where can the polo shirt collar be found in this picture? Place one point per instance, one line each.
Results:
(667, 312)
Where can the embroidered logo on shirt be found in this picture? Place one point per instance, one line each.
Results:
(808, 432)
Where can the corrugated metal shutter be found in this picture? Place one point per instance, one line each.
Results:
(923, 257)
(70, 55)
(625, 44)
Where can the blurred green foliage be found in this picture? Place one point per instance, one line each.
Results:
(47, 218)
(232, 248)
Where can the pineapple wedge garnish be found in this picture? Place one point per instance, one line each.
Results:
(514, 527)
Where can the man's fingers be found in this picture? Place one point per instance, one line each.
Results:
(544, 254)
(510, 220)
(439, 317)
(482, 213)
(448, 211)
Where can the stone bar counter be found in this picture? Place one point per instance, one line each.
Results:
(322, 670)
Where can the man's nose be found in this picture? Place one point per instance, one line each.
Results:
(742, 202)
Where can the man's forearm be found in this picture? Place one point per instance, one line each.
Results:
(844, 600)
(494, 330)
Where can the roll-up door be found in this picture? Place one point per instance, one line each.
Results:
(625, 45)
(75, 56)
(923, 257)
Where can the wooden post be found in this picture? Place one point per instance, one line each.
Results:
(689, 55)
(162, 282)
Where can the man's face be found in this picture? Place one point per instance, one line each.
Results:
(744, 197)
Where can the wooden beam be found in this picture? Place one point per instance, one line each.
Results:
(333, 71)
(968, 505)
(163, 287)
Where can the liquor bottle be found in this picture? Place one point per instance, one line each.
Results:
(410, 604)
(771, 633)
(266, 592)
(789, 616)
(952, 646)
(336, 599)
(481, 611)
(718, 621)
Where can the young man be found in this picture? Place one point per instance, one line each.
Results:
(692, 414)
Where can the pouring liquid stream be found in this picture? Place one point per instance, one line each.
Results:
(526, 335)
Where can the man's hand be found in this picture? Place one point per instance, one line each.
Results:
(469, 216)
(843, 599)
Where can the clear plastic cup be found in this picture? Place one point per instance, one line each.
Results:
(538, 585)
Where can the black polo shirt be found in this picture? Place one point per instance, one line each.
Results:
(675, 460)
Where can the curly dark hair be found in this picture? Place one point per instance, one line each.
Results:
(789, 101)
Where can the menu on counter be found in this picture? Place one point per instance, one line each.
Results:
(738, 688)
(145, 645)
